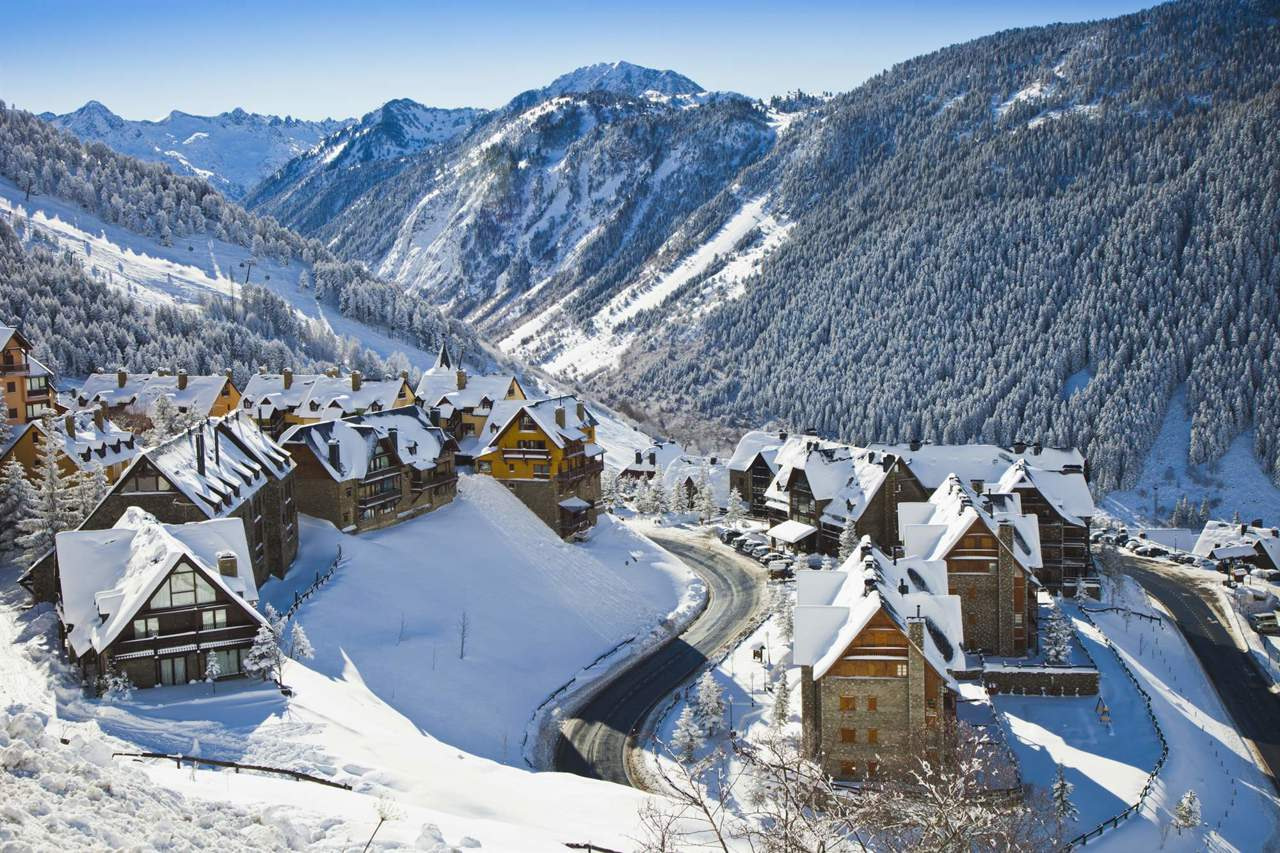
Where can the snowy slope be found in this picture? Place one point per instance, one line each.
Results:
(538, 611)
(232, 150)
(182, 274)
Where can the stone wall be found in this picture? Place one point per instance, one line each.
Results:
(1041, 680)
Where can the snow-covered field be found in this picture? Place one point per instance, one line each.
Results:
(193, 268)
(538, 610)
(1233, 484)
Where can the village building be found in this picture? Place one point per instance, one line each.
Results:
(1053, 483)
(544, 451)
(82, 441)
(820, 487)
(875, 641)
(155, 602)
(220, 468)
(1247, 543)
(132, 397)
(277, 401)
(464, 401)
(752, 468)
(991, 549)
(652, 461)
(687, 472)
(27, 384)
(372, 470)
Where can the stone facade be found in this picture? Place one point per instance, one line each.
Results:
(543, 497)
(1042, 680)
(1064, 546)
(996, 602)
(751, 485)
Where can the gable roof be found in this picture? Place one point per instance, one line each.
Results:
(930, 529)
(140, 391)
(318, 396)
(8, 333)
(753, 444)
(692, 467)
(106, 576)
(832, 607)
(663, 454)
(87, 444)
(845, 476)
(1067, 493)
(932, 464)
(440, 386)
(418, 443)
(543, 413)
(1218, 537)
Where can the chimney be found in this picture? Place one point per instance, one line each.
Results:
(100, 417)
(915, 444)
(582, 412)
(653, 458)
(182, 380)
(462, 378)
(1244, 528)
(902, 587)
(286, 376)
(1036, 448)
(217, 447)
(713, 460)
(782, 436)
(355, 380)
(886, 461)
(333, 454)
(262, 370)
(404, 375)
(1019, 447)
(560, 416)
(200, 450)
(227, 564)
(121, 378)
(393, 436)
(227, 373)
(639, 457)
(69, 424)
(434, 414)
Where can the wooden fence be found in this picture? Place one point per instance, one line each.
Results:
(299, 598)
(195, 759)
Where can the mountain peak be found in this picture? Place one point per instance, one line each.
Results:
(623, 78)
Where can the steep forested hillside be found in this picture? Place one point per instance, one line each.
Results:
(975, 227)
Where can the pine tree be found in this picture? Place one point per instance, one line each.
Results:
(1060, 793)
(787, 621)
(736, 509)
(300, 646)
(212, 670)
(53, 507)
(1058, 637)
(677, 497)
(1187, 813)
(89, 487)
(686, 740)
(658, 497)
(706, 498)
(1202, 517)
(709, 705)
(827, 564)
(265, 658)
(166, 421)
(16, 498)
(780, 713)
(848, 542)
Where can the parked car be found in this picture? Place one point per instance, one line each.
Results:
(780, 569)
(1187, 559)
(746, 543)
(1264, 623)
(728, 537)
(1133, 544)
(769, 556)
(1273, 576)
(759, 551)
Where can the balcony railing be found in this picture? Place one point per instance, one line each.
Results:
(197, 636)
(433, 483)
(587, 469)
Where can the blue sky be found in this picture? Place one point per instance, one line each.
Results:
(325, 58)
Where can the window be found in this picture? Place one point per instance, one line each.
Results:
(531, 444)
(146, 482)
(183, 588)
(848, 768)
(380, 461)
(902, 670)
(1017, 618)
(37, 384)
(871, 703)
(848, 736)
(229, 661)
(149, 627)
(484, 467)
(13, 413)
(848, 703)
(542, 470)
(873, 735)
(873, 767)
(527, 424)
(511, 469)
(216, 618)
(35, 410)
(13, 386)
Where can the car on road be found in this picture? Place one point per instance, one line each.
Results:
(1264, 623)
(1151, 551)
(1132, 544)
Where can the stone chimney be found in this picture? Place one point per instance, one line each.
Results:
(200, 450)
(404, 375)
(121, 377)
(393, 436)
(227, 373)
(560, 416)
(286, 376)
(355, 380)
(182, 380)
(262, 370)
(69, 424)
(1036, 448)
(582, 412)
(462, 378)
(100, 416)
(1019, 447)
(915, 444)
(434, 414)
(334, 455)
(227, 564)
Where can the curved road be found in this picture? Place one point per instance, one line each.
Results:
(1244, 692)
(594, 741)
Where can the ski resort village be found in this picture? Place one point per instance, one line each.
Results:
(610, 462)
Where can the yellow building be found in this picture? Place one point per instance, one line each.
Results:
(544, 451)
(27, 384)
(465, 401)
(84, 439)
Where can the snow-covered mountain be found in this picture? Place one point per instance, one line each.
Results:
(622, 78)
(313, 187)
(232, 150)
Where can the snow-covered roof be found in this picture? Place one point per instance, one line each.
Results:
(319, 397)
(440, 385)
(933, 463)
(791, 531)
(1067, 492)
(108, 575)
(543, 413)
(1219, 536)
(654, 459)
(86, 444)
(930, 529)
(418, 444)
(139, 391)
(686, 467)
(845, 476)
(750, 445)
(832, 607)
(233, 471)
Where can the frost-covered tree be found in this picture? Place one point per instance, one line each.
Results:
(300, 644)
(827, 564)
(736, 510)
(780, 710)
(265, 659)
(686, 739)
(706, 497)
(1060, 795)
(609, 492)
(115, 686)
(16, 499)
(787, 619)
(212, 672)
(1057, 637)
(678, 497)
(53, 506)
(1186, 815)
(644, 498)
(709, 706)
(848, 542)
(166, 421)
(89, 486)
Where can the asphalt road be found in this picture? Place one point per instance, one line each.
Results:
(594, 742)
(1244, 692)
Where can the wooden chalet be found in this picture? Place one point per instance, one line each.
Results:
(464, 401)
(752, 469)
(132, 397)
(278, 401)
(82, 441)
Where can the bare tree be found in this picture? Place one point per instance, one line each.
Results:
(696, 814)
(464, 628)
